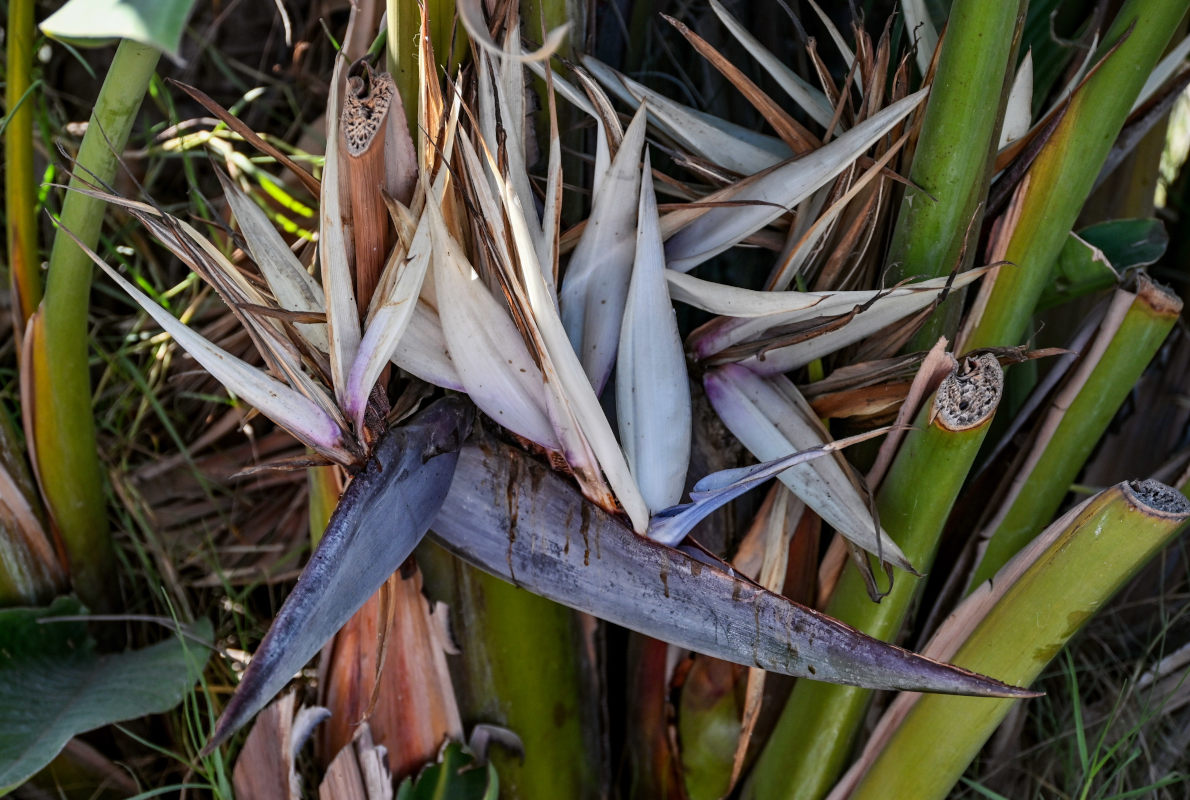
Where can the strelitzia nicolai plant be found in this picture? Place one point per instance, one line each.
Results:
(467, 298)
(480, 276)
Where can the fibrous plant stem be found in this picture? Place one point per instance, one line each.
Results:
(1078, 417)
(524, 671)
(1012, 631)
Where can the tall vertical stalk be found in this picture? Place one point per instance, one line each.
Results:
(62, 424)
(20, 189)
(954, 151)
(809, 746)
(1061, 178)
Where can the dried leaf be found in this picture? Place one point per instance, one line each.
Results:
(810, 99)
(300, 416)
(771, 194)
(293, 287)
(732, 146)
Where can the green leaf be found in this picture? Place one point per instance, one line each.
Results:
(157, 23)
(1081, 269)
(1128, 243)
(54, 685)
(456, 776)
(1094, 258)
(709, 727)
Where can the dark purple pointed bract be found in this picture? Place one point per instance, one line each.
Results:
(381, 517)
(513, 517)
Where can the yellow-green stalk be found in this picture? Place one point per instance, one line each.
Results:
(523, 671)
(1061, 177)
(1011, 629)
(1111, 367)
(20, 188)
(404, 27)
(63, 428)
(809, 746)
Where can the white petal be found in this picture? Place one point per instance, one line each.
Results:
(652, 389)
(283, 405)
(777, 190)
(485, 346)
(342, 316)
(294, 287)
(771, 419)
(596, 284)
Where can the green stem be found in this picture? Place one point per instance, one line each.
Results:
(809, 746)
(955, 150)
(64, 429)
(404, 28)
(524, 672)
(709, 726)
(925, 742)
(1079, 422)
(20, 188)
(325, 488)
(1061, 178)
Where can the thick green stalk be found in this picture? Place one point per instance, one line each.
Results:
(809, 746)
(955, 150)
(709, 726)
(20, 188)
(1045, 480)
(925, 742)
(1061, 178)
(404, 28)
(63, 427)
(523, 671)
